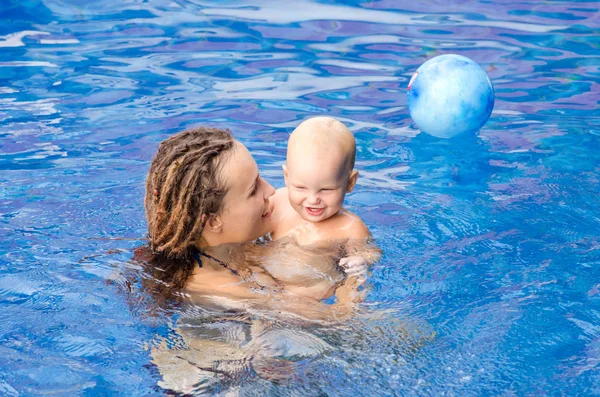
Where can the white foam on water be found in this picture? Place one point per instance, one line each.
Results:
(27, 63)
(16, 39)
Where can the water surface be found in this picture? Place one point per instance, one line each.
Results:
(491, 241)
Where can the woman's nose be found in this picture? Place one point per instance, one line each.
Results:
(269, 191)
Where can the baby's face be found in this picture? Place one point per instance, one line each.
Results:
(316, 185)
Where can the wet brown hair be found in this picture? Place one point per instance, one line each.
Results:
(183, 187)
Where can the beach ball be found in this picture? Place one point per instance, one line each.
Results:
(450, 95)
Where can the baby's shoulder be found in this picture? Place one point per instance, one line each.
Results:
(282, 213)
(281, 195)
(281, 191)
(279, 202)
(350, 225)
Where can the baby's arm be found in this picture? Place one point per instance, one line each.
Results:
(360, 250)
(352, 291)
(360, 253)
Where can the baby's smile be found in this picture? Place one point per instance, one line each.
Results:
(314, 211)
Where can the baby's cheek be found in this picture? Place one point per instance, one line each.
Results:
(294, 199)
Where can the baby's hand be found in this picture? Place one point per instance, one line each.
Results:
(354, 266)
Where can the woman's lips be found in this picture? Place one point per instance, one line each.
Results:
(269, 210)
(314, 211)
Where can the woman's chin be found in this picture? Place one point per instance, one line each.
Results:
(265, 227)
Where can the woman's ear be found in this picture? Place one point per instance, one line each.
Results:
(352, 181)
(285, 174)
(214, 223)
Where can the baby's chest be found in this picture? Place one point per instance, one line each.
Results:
(318, 236)
(296, 264)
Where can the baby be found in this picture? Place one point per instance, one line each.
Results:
(308, 216)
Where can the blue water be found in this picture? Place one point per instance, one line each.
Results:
(491, 242)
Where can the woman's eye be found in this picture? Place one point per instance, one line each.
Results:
(253, 192)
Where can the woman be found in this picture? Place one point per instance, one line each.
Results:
(204, 200)
(204, 197)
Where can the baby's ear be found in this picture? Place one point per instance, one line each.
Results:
(285, 174)
(352, 181)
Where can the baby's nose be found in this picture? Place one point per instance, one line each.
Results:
(313, 199)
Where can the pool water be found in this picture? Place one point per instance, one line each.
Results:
(491, 242)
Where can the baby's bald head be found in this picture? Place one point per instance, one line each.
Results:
(322, 137)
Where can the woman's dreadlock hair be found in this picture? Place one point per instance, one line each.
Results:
(184, 187)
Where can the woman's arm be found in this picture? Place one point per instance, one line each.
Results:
(229, 290)
(301, 308)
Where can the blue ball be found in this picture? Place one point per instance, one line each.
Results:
(450, 95)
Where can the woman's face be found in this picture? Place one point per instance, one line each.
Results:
(246, 214)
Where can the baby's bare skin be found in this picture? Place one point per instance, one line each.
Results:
(342, 225)
(308, 211)
(307, 270)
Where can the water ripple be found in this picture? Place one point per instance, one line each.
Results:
(490, 270)
(309, 11)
